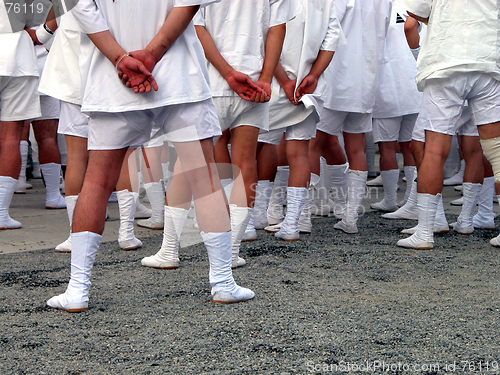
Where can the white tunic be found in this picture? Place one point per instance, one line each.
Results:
(61, 77)
(315, 28)
(353, 74)
(18, 56)
(239, 29)
(462, 36)
(181, 73)
(397, 93)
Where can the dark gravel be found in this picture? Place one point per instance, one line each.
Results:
(327, 300)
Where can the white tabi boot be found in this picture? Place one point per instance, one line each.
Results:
(440, 223)
(262, 196)
(423, 238)
(390, 181)
(127, 202)
(168, 255)
(76, 297)
(356, 181)
(338, 180)
(250, 232)
(51, 175)
(323, 205)
(71, 200)
(464, 224)
(289, 230)
(224, 288)
(409, 211)
(305, 223)
(7, 186)
(277, 199)
(154, 191)
(485, 217)
(22, 185)
(410, 173)
(239, 221)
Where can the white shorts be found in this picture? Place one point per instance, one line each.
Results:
(72, 121)
(234, 111)
(335, 122)
(185, 122)
(465, 126)
(394, 128)
(303, 131)
(444, 99)
(19, 99)
(51, 108)
(157, 138)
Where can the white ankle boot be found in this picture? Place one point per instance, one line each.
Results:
(154, 191)
(71, 200)
(277, 199)
(322, 204)
(305, 223)
(423, 238)
(485, 217)
(22, 185)
(127, 202)
(250, 232)
(410, 173)
(390, 181)
(52, 175)
(262, 196)
(289, 230)
(7, 186)
(168, 255)
(457, 179)
(239, 221)
(356, 181)
(440, 223)
(224, 288)
(464, 224)
(338, 180)
(76, 297)
(409, 211)
(141, 211)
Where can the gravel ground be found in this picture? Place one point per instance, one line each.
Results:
(325, 301)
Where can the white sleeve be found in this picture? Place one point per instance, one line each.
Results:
(188, 3)
(89, 17)
(334, 36)
(199, 18)
(341, 7)
(421, 8)
(280, 12)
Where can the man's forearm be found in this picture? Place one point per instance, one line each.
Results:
(109, 47)
(274, 44)
(177, 21)
(212, 53)
(322, 61)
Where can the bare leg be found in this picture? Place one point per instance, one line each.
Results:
(100, 180)
(10, 157)
(388, 152)
(76, 164)
(297, 154)
(151, 164)
(473, 155)
(417, 149)
(437, 148)
(222, 156)
(244, 155)
(355, 150)
(46, 137)
(409, 160)
(267, 161)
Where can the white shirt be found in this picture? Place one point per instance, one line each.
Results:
(18, 56)
(314, 28)
(61, 77)
(397, 93)
(239, 29)
(353, 74)
(462, 36)
(181, 73)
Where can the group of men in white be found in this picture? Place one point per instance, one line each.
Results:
(251, 95)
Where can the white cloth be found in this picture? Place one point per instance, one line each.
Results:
(352, 77)
(18, 53)
(239, 29)
(61, 77)
(461, 37)
(18, 98)
(397, 93)
(234, 111)
(72, 121)
(181, 73)
(314, 28)
(303, 131)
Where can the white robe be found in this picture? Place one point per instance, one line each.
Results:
(181, 73)
(462, 36)
(315, 28)
(353, 74)
(397, 93)
(239, 29)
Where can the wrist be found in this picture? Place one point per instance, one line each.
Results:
(44, 34)
(120, 59)
(153, 54)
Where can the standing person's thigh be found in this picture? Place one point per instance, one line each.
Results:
(386, 129)
(332, 122)
(19, 99)
(406, 129)
(484, 101)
